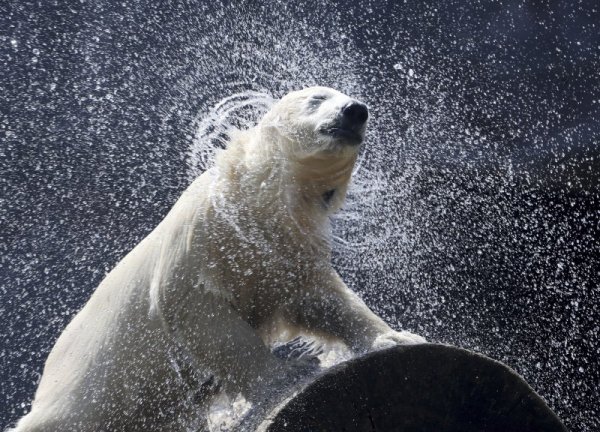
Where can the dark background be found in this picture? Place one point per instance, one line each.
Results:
(474, 219)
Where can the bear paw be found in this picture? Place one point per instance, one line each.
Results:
(391, 339)
(299, 349)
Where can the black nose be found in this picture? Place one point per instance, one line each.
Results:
(356, 113)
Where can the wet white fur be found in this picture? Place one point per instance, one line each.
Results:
(243, 256)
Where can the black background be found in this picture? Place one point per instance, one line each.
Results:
(477, 201)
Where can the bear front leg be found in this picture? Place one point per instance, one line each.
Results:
(220, 341)
(333, 308)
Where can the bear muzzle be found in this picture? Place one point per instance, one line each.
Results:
(350, 125)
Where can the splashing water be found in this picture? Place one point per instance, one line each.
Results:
(243, 110)
(473, 213)
(239, 111)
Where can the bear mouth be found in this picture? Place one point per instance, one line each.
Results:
(345, 134)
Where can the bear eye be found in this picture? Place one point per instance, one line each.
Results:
(315, 101)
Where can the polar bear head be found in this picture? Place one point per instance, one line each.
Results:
(316, 120)
(314, 136)
(299, 158)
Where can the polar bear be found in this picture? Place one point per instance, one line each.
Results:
(243, 255)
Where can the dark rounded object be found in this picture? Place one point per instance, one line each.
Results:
(356, 113)
(417, 388)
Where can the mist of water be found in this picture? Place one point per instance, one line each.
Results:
(473, 214)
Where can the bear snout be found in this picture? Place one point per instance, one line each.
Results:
(355, 114)
(350, 123)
